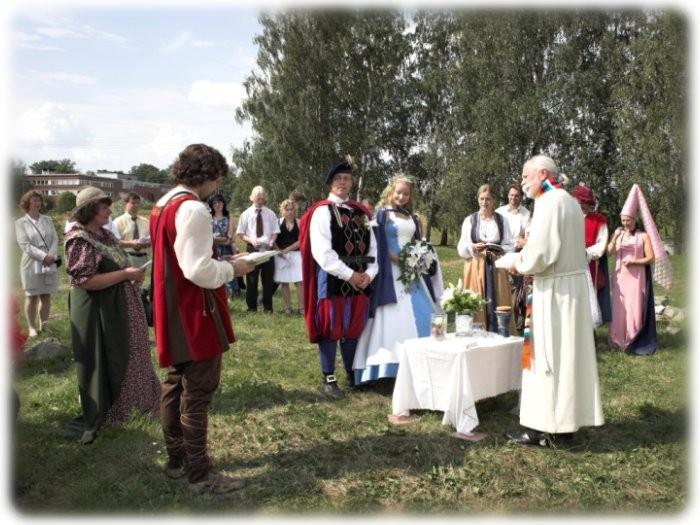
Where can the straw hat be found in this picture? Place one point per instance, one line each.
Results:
(89, 195)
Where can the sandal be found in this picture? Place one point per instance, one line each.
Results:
(216, 483)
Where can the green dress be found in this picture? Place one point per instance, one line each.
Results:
(109, 336)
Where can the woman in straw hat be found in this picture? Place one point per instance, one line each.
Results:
(108, 323)
(633, 325)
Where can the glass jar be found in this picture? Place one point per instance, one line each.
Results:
(463, 325)
(438, 326)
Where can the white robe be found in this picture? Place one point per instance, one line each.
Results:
(560, 391)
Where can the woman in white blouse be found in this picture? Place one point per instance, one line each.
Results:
(37, 237)
(485, 237)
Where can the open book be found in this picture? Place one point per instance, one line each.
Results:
(259, 257)
(494, 247)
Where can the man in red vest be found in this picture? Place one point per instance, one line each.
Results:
(596, 239)
(190, 314)
(338, 260)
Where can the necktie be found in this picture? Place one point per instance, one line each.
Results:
(135, 235)
(258, 224)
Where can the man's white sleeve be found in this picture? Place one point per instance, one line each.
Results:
(322, 248)
(595, 251)
(465, 246)
(193, 247)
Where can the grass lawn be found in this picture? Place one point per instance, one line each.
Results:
(303, 454)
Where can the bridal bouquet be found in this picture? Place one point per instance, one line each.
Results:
(457, 299)
(416, 258)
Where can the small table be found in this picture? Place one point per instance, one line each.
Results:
(452, 374)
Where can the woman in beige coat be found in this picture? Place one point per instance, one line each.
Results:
(36, 236)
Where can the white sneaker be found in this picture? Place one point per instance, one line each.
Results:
(33, 332)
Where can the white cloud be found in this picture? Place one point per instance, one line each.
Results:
(216, 94)
(64, 28)
(49, 125)
(70, 78)
(122, 129)
(20, 36)
(22, 40)
(58, 32)
(185, 39)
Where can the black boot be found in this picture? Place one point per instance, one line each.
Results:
(350, 380)
(329, 387)
(527, 436)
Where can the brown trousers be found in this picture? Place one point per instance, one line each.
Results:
(184, 402)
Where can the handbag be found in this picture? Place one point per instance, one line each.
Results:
(58, 260)
(147, 293)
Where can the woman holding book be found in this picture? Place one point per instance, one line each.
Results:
(397, 311)
(485, 237)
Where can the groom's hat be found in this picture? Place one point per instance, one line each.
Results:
(342, 166)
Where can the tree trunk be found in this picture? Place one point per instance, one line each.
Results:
(443, 236)
(431, 217)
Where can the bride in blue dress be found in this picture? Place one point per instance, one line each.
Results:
(397, 313)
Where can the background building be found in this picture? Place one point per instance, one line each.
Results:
(116, 185)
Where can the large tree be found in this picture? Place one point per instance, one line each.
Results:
(53, 166)
(327, 84)
(148, 173)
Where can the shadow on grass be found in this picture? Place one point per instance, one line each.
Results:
(652, 428)
(299, 474)
(251, 395)
(51, 472)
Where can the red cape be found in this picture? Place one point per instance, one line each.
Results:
(308, 265)
(593, 221)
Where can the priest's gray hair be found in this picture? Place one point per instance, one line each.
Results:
(543, 162)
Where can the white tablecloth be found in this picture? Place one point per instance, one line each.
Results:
(453, 374)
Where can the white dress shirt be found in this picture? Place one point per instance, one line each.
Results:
(124, 224)
(194, 241)
(595, 251)
(488, 232)
(321, 243)
(518, 220)
(247, 225)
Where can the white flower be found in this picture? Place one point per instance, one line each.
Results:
(372, 223)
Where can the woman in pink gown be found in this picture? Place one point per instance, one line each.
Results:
(632, 327)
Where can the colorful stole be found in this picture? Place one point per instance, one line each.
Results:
(526, 356)
(548, 184)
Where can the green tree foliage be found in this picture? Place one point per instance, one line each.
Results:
(328, 84)
(460, 98)
(148, 173)
(65, 201)
(54, 166)
(19, 184)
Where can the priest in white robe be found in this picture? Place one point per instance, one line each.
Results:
(560, 389)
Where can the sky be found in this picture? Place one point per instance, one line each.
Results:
(111, 87)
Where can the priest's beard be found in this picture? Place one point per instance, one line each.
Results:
(530, 192)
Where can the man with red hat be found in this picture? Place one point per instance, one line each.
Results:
(596, 240)
(338, 254)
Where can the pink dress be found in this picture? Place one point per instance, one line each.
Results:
(628, 291)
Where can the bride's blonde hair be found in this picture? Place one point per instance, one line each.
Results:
(385, 201)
